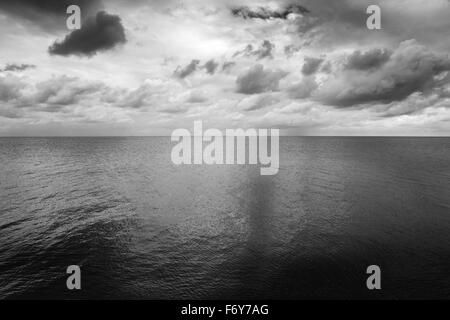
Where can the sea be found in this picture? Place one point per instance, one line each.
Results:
(140, 227)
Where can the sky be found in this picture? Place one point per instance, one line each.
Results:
(147, 67)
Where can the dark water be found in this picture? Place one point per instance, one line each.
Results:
(140, 227)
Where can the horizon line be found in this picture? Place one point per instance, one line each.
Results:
(294, 136)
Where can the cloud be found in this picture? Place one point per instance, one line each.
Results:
(50, 95)
(17, 67)
(290, 50)
(264, 51)
(368, 60)
(228, 65)
(257, 101)
(303, 89)
(415, 103)
(411, 68)
(10, 88)
(197, 96)
(50, 14)
(258, 80)
(211, 66)
(311, 65)
(74, 96)
(64, 91)
(11, 113)
(352, 80)
(187, 70)
(304, 24)
(266, 13)
(247, 51)
(99, 33)
(163, 95)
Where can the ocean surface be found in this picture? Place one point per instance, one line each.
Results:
(142, 228)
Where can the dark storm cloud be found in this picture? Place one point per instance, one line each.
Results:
(368, 60)
(47, 6)
(258, 80)
(267, 13)
(412, 68)
(311, 65)
(183, 72)
(211, 66)
(18, 67)
(47, 13)
(99, 33)
(264, 51)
